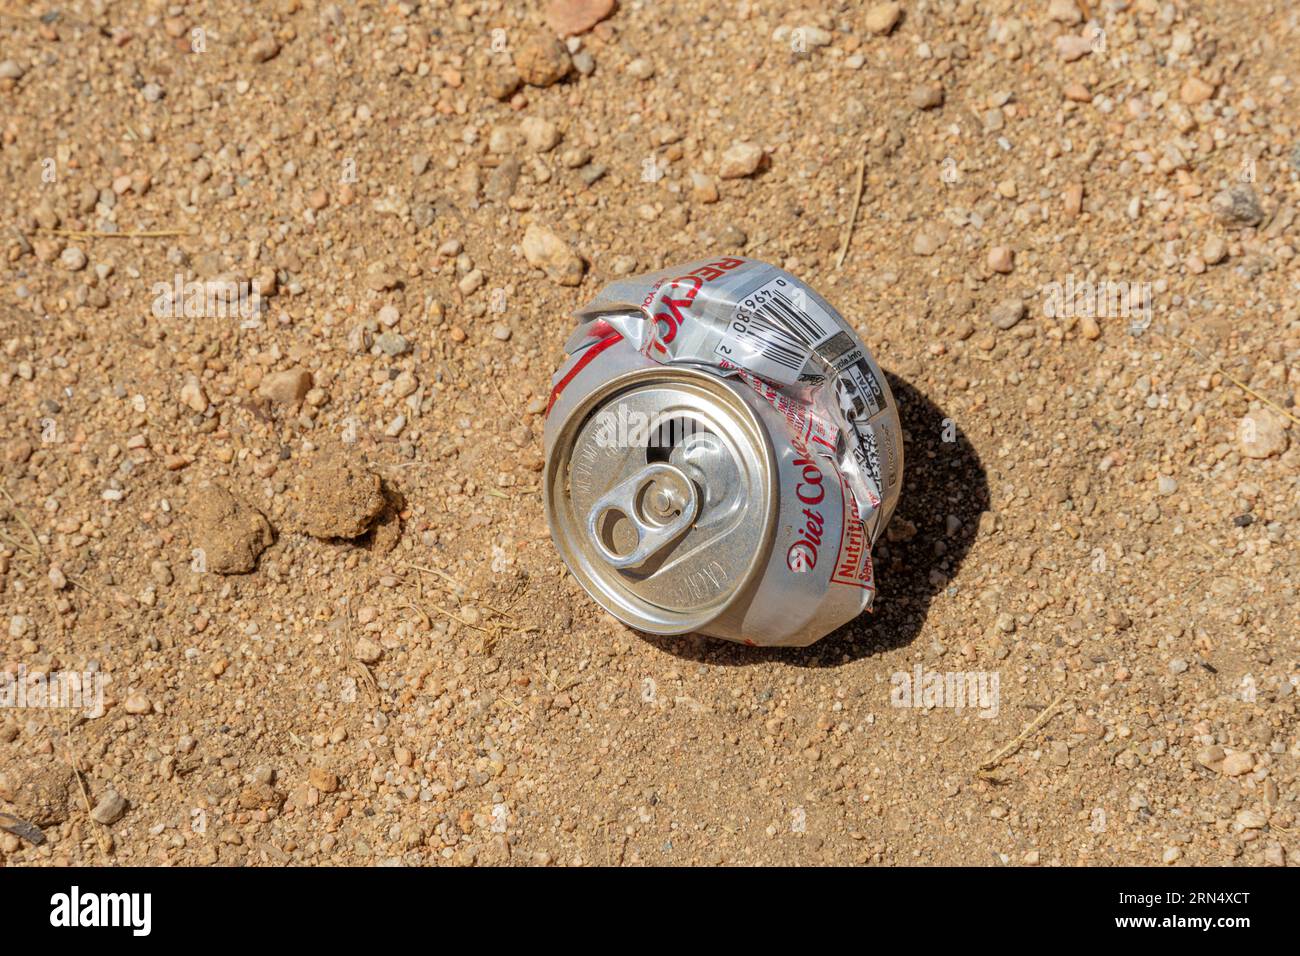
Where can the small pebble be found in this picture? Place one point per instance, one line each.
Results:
(742, 159)
(72, 259)
(1195, 91)
(263, 49)
(109, 809)
(547, 251)
(1214, 250)
(1262, 434)
(926, 242)
(882, 18)
(287, 387)
(1070, 48)
(367, 651)
(1007, 313)
(392, 344)
(1237, 206)
(1238, 763)
(927, 96)
(641, 69)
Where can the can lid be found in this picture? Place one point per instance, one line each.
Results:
(661, 496)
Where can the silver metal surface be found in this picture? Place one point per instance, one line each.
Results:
(656, 504)
(662, 500)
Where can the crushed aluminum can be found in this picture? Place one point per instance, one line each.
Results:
(721, 454)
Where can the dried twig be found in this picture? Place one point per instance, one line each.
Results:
(1241, 385)
(499, 612)
(853, 213)
(105, 846)
(18, 516)
(16, 543)
(442, 610)
(75, 582)
(1030, 729)
(434, 571)
(367, 677)
(513, 704)
(428, 623)
(96, 234)
(559, 689)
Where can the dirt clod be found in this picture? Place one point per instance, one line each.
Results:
(336, 497)
(37, 792)
(543, 61)
(229, 533)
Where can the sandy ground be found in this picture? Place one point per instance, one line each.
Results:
(301, 548)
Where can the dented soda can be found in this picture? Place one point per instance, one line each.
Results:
(721, 454)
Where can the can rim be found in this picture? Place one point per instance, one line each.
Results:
(632, 610)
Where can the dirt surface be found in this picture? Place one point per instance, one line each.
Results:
(1101, 511)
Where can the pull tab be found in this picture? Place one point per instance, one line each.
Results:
(659, 502)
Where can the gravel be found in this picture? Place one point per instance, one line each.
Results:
(360, 167)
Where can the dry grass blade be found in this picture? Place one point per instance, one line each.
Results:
(1228, 375)
(446, 613)
(1030, 729)
(434, 571)
(75, 582)
(105, 844)
(500, 613)
(18, 516)
(95, 234)
(853, 213)
(428, 622)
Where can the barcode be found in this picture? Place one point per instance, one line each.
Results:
(769, 341)
(791, 308)
(775, 329)
(779, 310)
